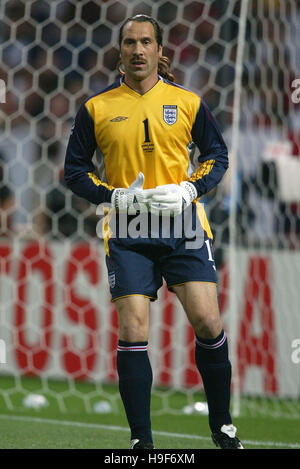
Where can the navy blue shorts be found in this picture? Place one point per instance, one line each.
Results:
(137, 266)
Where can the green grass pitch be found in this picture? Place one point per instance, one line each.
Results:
(69, 423)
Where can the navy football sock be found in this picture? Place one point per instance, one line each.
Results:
(215, 369)
(135, 381)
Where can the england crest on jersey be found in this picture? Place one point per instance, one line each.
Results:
(170, 114)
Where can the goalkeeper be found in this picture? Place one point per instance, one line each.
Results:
(143, 125)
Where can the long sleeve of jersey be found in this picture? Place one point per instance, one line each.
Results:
(79, 168)
(213, 159)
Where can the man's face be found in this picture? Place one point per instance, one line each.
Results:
(139, 50)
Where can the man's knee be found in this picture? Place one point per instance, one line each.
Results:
(133, 330)
(133, 319)
(208, 326)
(200, 303)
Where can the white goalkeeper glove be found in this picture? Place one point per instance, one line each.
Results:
(135, 197)
(172, 199)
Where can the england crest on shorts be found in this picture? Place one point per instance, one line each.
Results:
(170, 114)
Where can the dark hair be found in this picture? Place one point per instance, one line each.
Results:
(143, 19)
(164, 62)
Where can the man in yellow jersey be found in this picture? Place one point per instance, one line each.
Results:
(143, 125)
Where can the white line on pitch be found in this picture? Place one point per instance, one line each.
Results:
(98, 426)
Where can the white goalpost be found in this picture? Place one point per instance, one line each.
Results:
(233, 305)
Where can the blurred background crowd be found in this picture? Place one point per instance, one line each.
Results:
(54, 54)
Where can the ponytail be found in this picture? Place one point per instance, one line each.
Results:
(164, 71)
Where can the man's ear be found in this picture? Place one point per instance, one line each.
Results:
(160, 51)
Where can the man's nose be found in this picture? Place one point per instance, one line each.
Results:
(138, 50)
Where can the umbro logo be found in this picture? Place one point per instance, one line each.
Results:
(118, 119)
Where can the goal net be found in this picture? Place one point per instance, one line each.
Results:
(57, 324)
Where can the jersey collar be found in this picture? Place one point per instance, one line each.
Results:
(138, 95)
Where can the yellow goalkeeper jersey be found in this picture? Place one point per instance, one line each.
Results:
(151, 133)
(148, 133)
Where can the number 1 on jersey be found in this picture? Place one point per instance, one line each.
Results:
(146, 126)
